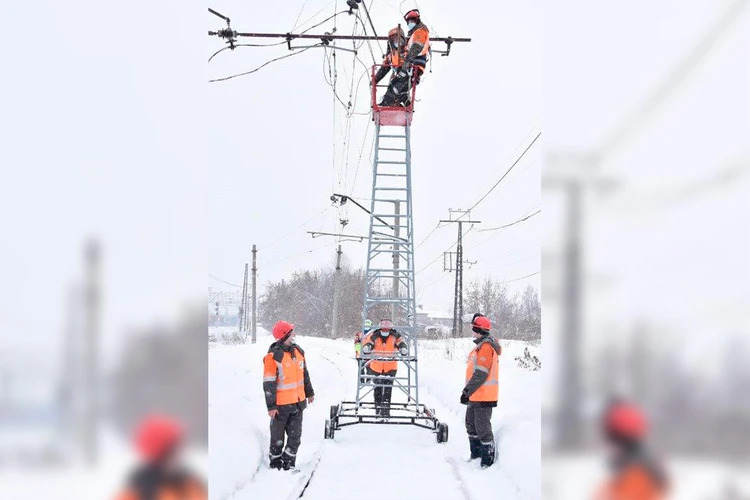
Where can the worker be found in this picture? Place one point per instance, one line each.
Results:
(415, 61)
(358, 337)
(392, 64)
(481, 391)
(634, 473)
(160, 475)
(288, 390)
(383, 341)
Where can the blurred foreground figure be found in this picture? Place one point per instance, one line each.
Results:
(161, 476)
(634, 474)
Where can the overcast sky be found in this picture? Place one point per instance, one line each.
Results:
(273, 138)
(670, 246)
(101, 137)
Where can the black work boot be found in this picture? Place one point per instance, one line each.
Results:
(389, 99)
(488, 454)
(275, 462)
(474, 448)
(288, 460)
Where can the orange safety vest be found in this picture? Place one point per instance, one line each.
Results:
(289, 374)
(484, 357)
(633, 483)
(420, 35)
(392, 342)
(189, 489)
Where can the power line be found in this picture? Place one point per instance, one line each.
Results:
(263, 65)
(507, 172)
(223, 281)
(512, 223)
(521, 278)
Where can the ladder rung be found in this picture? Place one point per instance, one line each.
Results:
(393, 136)
(389, 227)
(386, 300)
(392, 175)
(393, 241)
(392, 189)
(389, 215)
(389, 162)
(383, 200)
(391, 149)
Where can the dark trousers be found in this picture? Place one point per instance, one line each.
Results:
(289, 422)
(478, 424)
(361, 370)
(382, 395)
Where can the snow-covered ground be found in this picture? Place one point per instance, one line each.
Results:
(371, 461)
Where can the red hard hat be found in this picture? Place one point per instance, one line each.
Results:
(412, 14)
(482, 322)
(156, 436)
(281, 329)
(625, 420)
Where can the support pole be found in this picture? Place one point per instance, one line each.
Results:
(336, 282)
(91, 359)
(254, 298)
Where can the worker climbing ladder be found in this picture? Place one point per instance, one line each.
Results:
(389, 277)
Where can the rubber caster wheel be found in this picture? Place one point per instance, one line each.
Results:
(442, 433)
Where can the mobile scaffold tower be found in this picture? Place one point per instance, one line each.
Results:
(389, 286)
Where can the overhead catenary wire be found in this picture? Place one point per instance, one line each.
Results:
(518, 221)
(506, 172)
(261, 66)
(223, 281)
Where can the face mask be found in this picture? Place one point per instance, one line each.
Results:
(385, 334)
(411, 25)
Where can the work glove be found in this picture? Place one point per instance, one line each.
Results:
(464, 398)
(404, 350)
(367, 349)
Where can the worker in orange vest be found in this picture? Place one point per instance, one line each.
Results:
(481, 391)
(414, 61)
(288, 390)
(160, 476)
(396, 54)
(383, 341)
(635, 474)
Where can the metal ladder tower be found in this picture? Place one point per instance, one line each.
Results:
(390, 292)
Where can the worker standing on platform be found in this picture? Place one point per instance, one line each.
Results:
(383, 342)
(288, 390)
(414, 61)
(481, 391)
(358, 338)
(635, 474)
(392, 63)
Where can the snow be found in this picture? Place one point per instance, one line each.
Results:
(408, 461)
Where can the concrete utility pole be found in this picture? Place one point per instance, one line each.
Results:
(336, 281)
(92, 318)
(458, 292)
(254, 318)
(243, 305)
